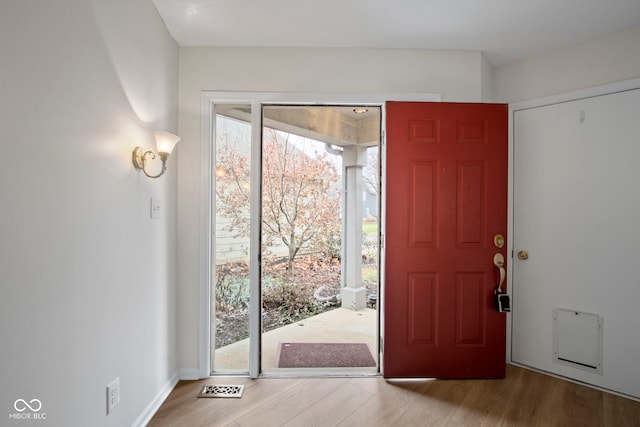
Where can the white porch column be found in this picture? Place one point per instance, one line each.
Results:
(354, 295)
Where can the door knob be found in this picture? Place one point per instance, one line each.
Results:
(523, 255)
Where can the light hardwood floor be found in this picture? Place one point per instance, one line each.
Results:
(523, 398)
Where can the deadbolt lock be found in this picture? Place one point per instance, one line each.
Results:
(523, 255)
(498, 241)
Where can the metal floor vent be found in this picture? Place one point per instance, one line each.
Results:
(222, 391)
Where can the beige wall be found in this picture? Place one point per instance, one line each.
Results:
(455, 75)
(608, 59)
(87, 279)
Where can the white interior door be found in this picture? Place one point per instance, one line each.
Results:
(576, 213)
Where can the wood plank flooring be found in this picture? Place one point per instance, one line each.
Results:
(523, 398)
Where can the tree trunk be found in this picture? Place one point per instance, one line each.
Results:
(292, 252)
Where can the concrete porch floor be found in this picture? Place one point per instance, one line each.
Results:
(338, 325)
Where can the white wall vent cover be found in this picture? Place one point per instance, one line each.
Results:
(577, 339)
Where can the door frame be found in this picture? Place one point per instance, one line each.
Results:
(207, 126)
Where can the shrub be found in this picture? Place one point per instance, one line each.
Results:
(291, 301)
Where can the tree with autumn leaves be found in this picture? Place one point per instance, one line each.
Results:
(300, 197)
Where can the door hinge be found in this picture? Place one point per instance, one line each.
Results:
(381, 344)
(383, 138)
(382, 241)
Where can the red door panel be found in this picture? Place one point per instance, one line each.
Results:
(446, 199)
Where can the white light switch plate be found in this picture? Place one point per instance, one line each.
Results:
(156, 209)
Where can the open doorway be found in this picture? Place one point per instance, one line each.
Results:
(319, 232)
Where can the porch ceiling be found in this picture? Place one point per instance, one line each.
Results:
(336, 125)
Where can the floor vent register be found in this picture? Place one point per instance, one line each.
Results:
(222, 391)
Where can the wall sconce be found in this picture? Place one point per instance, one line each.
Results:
(165, 142)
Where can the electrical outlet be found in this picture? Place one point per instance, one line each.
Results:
(113, 395)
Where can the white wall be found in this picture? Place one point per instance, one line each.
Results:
(458, 76)
(88, 280)
(487, 77)
(608, 59)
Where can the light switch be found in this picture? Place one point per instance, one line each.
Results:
(156, 209)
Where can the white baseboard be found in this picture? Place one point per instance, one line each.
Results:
(148, 412)
(189, 374)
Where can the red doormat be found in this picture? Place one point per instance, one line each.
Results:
(324, 355)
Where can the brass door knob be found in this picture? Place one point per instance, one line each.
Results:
(523, 255)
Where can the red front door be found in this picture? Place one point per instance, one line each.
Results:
(446, 200)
